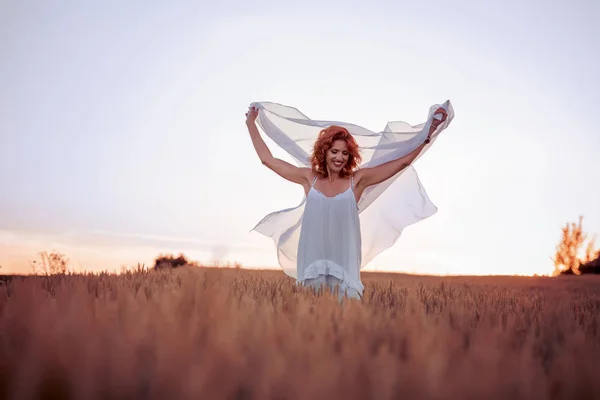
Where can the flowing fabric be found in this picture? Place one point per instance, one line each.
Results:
(385, 209)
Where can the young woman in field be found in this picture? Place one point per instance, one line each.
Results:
(320, 242)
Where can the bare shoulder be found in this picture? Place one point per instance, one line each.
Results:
(307, 173)
(359, 176)
(309, 176)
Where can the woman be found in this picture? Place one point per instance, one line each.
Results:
(325, 228)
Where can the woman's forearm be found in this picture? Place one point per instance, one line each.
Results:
(380, 173)
(259, 144)
(410, 157)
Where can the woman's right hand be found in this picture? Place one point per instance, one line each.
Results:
(251, 115)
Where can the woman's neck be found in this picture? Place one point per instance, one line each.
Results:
(333, 177)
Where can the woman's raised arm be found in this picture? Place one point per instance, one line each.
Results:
(284, 169)
(371, 176)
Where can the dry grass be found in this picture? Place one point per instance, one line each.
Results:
(237, 334)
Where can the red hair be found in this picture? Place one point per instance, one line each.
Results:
(325, 141)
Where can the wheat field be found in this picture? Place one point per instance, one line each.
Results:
(215, 333)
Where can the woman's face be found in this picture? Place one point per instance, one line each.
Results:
(337, 156)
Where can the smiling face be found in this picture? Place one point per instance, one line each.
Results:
(335, 152)
(337, 156)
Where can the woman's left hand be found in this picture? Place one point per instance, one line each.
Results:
(444, 113)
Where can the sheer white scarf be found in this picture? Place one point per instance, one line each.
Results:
(385, 209)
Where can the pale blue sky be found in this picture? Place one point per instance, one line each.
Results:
(123, 136)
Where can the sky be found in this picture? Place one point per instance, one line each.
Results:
(122, 126)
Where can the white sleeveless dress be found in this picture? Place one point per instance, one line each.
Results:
(329, 248)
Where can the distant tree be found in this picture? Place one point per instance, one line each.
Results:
(52, 263)
(169, 262)
(571, 253)
(592, 267)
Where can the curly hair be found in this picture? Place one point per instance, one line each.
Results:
(325, 141)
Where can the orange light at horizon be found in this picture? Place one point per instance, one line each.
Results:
(16, 254)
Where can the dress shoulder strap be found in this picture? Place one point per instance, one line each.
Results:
(314, 181)
(352, 181)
